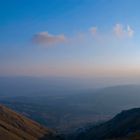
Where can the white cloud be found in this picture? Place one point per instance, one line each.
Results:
(118, 30)
(121, 31)
(130, 31)
(93, 30)
(44, 38)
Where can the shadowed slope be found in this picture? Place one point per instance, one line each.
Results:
(124, 126)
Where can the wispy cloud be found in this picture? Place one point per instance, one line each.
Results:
(118, 30)
(130, 31)
(44, 38)
(93, 30)
(121, 31)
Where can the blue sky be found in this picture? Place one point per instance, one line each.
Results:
(70, 37)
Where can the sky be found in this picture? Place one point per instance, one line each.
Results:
(73, 38)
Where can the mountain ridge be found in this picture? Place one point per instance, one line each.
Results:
(124, 126)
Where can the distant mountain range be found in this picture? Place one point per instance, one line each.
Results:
(16, 127)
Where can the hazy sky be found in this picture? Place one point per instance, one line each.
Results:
(70, 37)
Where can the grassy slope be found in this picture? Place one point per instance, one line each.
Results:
(16, 127)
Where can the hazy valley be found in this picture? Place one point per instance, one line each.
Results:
(71, 114)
